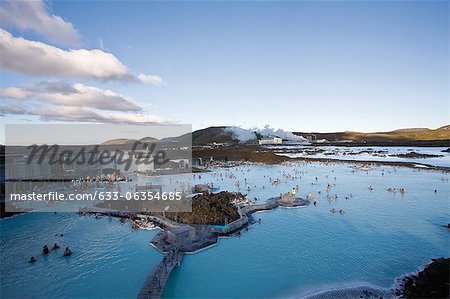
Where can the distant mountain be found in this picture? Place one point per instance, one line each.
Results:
(225, 135)
(213, 134)
(396, 136)
(185, 139)
(233, 134)
(149, 139)
(121, 141)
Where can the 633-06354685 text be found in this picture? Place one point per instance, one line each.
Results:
(97, 195)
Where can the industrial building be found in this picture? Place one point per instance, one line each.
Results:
(270, 140)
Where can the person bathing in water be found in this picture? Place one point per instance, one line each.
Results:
(32, 259)
(67, 252)
(45, 250)
(55, 246)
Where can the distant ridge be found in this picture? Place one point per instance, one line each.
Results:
(149, 139)
(410, 130)
(219, 134)
(120, 141)
(400, 135)
(211, 135)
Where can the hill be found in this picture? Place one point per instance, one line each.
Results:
(401, 136)
(121, 141)
(211, 135)
(442, 133)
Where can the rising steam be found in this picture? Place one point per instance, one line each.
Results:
(244, 135)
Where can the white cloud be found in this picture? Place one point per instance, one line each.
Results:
(150, 79)
(61, 101)
(14, 93)
(78, 114)
(36, 58)
(134, 118)
(33, 15)
(93, 97)
(62, 93)
(65, 113)
(12, 109)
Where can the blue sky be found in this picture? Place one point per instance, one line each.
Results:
(300, 66)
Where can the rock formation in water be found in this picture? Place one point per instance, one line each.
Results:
(416, 155)
(210, 208)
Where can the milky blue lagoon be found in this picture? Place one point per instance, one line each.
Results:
(108, 260)
(292, 253)
(374, 153)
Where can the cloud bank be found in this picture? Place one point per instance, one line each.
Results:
(34, 16)
(78, 114)
(62, 93)
(61, 101)
(39, 59)
(57, 100)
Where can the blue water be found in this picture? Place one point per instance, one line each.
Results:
(108, 260)
(293, 252)
(354, 154)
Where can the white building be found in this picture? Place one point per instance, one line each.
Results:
(146, 163)
(322, 141)
(270, 140)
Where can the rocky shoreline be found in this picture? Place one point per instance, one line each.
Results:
(416, 155)
(431, 282)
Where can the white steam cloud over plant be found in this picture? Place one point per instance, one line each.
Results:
(246, 135)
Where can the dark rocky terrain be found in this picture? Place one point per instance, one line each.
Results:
(249, 153)
(4, 208)
(211, 135)
(210, 208)
(416, 155)
(432, 282)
